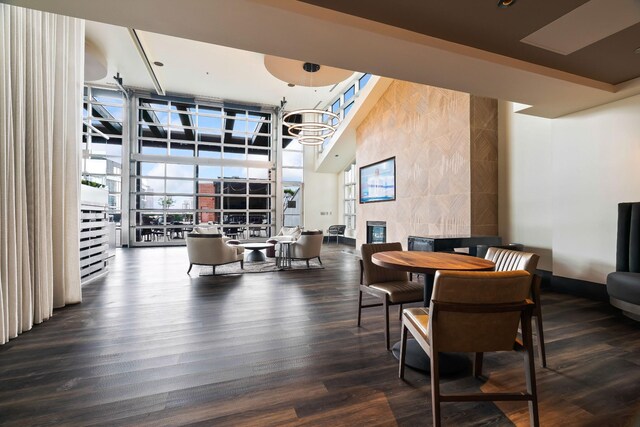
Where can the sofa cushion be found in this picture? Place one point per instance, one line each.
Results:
(276, 239)
(293, 232)
(624, 286)
(206, 229)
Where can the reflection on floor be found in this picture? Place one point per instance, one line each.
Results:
(153, 346)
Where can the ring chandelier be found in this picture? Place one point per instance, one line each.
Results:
(315, 126)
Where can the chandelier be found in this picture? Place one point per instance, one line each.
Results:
(314, 125)
(307, 126)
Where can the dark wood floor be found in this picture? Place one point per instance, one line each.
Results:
(152, 346)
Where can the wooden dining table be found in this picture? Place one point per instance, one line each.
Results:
(427, 263)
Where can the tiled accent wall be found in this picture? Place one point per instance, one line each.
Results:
(484, 166)
(445, 185)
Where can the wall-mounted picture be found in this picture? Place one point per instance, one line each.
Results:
(378, 181)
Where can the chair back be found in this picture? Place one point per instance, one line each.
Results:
(628, 242)
(337, 229)
(509, 260)
(477, 311)
(308, 245)
(376, 274)
(209, 249)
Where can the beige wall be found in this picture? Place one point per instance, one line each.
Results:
(583, 164)
(429, 131)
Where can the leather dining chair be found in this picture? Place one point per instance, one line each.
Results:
(510, 260)
(391, 286)
(461, 319)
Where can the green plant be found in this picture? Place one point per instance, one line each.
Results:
(92, 183)
(166, 202)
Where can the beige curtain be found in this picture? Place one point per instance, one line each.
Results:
(41, 78)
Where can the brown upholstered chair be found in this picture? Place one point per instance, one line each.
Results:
(474, 312)
(509, 260)
(391, 286)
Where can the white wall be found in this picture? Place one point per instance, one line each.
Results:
(596, 166)
(320, 195)
(525, 182)
(583, 165)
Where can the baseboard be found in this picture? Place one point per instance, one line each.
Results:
(580, 288)
(349, 241)
(546, 278)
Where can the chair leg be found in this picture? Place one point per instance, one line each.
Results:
(190, 267)
(530, 375)
(477, 365)
(540, 335)
(537, 312)
(400, 312)
(307, 263)
(359, 306)
(386, 321)
(214, 270)
(403, 351)
(319, 260)
(242, 264)
(435, 388)
(530, 372)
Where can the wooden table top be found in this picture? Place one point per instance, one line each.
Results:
(430, 262)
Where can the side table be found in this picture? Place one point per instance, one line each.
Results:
(283, 255)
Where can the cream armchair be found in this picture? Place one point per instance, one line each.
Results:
(211, 249)
(287, 234)
(307, 246)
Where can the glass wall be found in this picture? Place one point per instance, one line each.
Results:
(292, 179)
(196, 163)
(350, 199)
(343, 104)
(103, 131)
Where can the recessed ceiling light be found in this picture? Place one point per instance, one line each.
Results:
(158, 64)
(637, 51)
(290, 84)
(505, 3)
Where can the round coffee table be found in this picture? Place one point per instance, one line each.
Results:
(255, 255)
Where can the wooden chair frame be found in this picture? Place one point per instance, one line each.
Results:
(537, 313)
(385, 303)
(431, 347)
(535, 295)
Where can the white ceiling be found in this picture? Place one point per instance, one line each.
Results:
(200, 69)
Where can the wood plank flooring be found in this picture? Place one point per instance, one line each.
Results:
(151, 346)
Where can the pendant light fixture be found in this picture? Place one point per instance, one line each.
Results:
(311, 126)
(314, 126)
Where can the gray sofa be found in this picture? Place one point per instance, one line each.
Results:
(623, 285)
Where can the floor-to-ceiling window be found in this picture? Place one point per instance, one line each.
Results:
(350, 199)
(292, 182)
(194, 163)
(103, 132)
